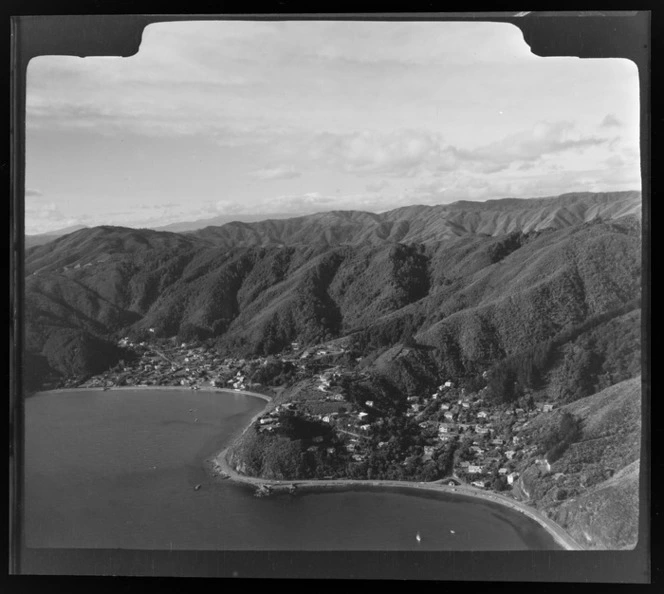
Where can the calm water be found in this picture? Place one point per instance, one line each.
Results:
(117, 469)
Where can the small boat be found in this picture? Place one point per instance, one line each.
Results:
(452, 532)
(292, 489)
(197, 487)
(418, 538)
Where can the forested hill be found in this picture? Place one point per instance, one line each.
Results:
(472, 298)
(424, 224)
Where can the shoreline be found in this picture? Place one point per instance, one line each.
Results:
(219, 467)
(180, 388)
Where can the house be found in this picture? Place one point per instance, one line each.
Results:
(479, 484)
(428, 452)
(365, 427)
(482, 414)
(481, 430)
(464, 464)
(511, 477)
(449, 415)
(503, 471)
(327, 419)
(509, 454)
(330, 450)
(465, 404)
(444, 407)
(448, 384)
(547, 408)
(474, 469)
(445, 428)
(516, 439)
(497, 442)
(362, 415)
(369, 403)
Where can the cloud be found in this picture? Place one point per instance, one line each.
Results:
(610, 121)
(273, 173)
(29, 192)
(43, 218)
(397, 153)
(545, 138)
(378, 186)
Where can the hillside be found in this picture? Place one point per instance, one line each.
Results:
(472, 300)
(592, 488)
(424, 224)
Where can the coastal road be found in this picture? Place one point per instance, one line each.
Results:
(221, 466)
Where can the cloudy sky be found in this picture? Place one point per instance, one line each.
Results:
(286, 118)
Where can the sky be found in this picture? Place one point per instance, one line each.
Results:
(284, 118)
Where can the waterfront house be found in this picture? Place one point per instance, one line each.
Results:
(479, 484)
(512, 477)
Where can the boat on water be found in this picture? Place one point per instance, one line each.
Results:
(418, 538)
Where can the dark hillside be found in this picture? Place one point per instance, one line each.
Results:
(466, 301)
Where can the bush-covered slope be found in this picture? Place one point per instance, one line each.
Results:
(470, 300)
(591, 487)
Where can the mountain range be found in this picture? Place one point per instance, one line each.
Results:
(543, 293)
(479, 280)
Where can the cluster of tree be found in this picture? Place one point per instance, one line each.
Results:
(588, 350)
(274, 372)
(561, 436)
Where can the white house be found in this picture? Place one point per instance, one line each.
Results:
(510, 454)
(547, 408)
(503, 471)
(448, 384)
(482, 414)
(364, 427)
(362, 415)
(479, 484)
(369, 403)
(449, 415)
(511, 477)
(474, 469)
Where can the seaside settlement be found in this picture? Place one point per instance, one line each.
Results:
(454, 434)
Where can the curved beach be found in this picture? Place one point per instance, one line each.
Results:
(218, 465)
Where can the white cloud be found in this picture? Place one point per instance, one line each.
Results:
(273, 173)
(545, 138)
(31, 192)
(396, 153)
(610, 121)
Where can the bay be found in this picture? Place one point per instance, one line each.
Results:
(118, 469)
